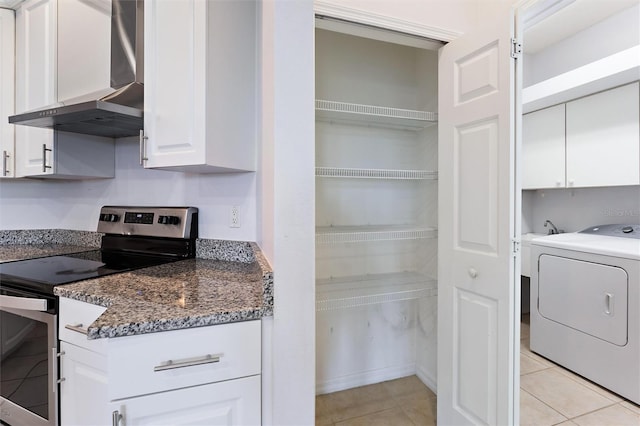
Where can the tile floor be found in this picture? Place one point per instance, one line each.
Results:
(400, 402)
(549, 395)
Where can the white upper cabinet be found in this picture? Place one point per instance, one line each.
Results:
(543, 148)
(603, 141)
(36, 72)
(591, 141)
(200, 86)
(7, 84)
(84, 47)
(62, 51)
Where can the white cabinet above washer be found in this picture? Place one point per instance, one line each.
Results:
(588, 142)
(603, 138)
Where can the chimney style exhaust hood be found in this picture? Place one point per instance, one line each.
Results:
(119, 113)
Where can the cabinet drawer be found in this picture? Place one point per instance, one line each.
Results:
(79, 315)
(144, 364)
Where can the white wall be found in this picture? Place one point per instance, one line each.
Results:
(614, 34)
(41, 203)
(456, 16)
(576, 209)
(286, 221)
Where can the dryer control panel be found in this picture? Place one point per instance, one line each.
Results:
(615, 230)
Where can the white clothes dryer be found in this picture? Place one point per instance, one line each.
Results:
(585, 304)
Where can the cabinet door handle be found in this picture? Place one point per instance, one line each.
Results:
(44, 158)
(143, 147)
(188, 362)
(5, 155)
(115, 418)
(78, 328)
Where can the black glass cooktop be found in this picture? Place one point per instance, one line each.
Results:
(43, 273)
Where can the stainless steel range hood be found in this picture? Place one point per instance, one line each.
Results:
(119, 112)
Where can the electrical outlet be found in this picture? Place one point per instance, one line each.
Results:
(234, 221)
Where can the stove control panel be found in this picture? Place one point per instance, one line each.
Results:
(625, 231)
(167, 222)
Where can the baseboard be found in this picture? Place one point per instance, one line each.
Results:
(364, 378)
(428, 379)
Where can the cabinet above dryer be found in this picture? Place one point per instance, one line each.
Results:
(588, 142)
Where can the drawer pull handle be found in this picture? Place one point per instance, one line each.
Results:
(77, 328)
(188, 362)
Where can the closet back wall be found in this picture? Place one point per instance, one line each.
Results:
(44, 204)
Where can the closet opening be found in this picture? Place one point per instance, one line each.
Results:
(376, 149)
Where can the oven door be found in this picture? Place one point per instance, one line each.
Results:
(28, 359)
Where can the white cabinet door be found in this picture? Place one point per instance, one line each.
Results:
(7, 92)
(36, 37)
(603, 147)
(232, 403)
(84, 47)
(200, 85)
(175, 82)
(543, 152)
(83, 390)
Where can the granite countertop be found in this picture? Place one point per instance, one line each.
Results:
(30, 244)
(229, 281)
(32, 251)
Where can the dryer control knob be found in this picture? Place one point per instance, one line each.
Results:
(627, 229)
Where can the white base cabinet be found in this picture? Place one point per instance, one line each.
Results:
(83, 393)
(234, 402)
(205, 375)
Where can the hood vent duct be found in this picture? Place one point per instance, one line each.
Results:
(119, 113)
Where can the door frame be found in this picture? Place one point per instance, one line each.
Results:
(357, 16)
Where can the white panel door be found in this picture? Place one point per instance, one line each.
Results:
(175, 84)
(7, 91)
(602, 138)
(543, 152)
(477, 214)
(36, 38)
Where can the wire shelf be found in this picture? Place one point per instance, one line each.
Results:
(356, 234)
(375, 173)
(351, 292)
(350, 112)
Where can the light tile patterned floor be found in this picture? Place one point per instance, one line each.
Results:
(549, 395)
(399, 402)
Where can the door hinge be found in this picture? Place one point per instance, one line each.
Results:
(516, 48)
(515, 246)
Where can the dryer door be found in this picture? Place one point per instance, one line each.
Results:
(586, 296)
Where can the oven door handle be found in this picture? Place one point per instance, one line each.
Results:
(24, 303)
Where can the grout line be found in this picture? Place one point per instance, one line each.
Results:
(544, 403)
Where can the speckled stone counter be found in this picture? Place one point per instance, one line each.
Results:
(183, 294)
(20, 244)
(229, 281)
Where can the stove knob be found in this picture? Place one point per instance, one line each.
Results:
(627, 229)
(169, 220)
(108, 217)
